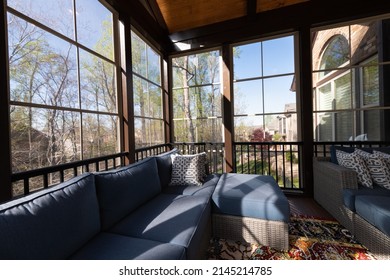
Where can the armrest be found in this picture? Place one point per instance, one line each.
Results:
(331, 176)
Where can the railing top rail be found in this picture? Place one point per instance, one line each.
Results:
(269, 143)
(57, 168)
(196, 143)
(153, 147)
(351, 143)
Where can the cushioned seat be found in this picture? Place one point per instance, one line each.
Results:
(206, 189)
(349, 195)
(375, 210)
(250, 196)
(175, 219)
(108, 246)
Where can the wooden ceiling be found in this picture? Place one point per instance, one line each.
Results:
(207, 23)
(181, 15)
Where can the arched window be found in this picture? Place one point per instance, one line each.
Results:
(335, 55)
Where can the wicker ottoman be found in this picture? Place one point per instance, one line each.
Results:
(251, 208)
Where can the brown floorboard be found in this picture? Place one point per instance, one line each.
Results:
(307, 206)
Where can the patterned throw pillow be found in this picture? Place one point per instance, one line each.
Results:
(384, 156)
(377, 167)
(188, 169)
(356, 163)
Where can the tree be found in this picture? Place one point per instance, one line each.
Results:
(99, 87)
(259, 135)
(45, 124)
(196, 98)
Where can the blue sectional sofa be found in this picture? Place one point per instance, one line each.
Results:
(128, 213)
(364, 211)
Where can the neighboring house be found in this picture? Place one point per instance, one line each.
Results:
(288, 123)
(347, 83)
(25, 146)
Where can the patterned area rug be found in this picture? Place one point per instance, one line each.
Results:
(309, 238)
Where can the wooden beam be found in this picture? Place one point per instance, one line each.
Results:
(5, 146)
(157, 14)
(134, 13)
(127, 109)
(305, 88)
(251, 8)
(227, 103)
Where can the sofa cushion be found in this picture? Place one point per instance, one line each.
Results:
(349, 195)
(123, 190)
(188, 169)
(108, 246)
(206, 189)
(253, 196)
(333, 149)
(50, 224)
(377, 166)
(355, 162)
(164, 164)
(384, 156)
(175, 219)
(375, 210)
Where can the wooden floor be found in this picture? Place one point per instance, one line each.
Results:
(307, 206)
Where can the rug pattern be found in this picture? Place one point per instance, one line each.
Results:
(309, 238)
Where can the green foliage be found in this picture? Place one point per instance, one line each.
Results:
(262, 168)
(291, 156)
(253, 167)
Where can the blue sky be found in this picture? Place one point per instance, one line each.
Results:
(265, 59)
(58, 15)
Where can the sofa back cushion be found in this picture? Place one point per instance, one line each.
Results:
(164, 163)
(52, 223)
(122, 190)
(333, 149)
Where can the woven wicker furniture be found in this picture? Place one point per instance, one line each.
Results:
(251, 208)
(252, 230)
(330, 183)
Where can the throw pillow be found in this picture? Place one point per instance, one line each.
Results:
(333, 149)
(355, 162)
(383, 155)
(377, 166)
(188, 169)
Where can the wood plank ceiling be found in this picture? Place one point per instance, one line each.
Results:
(181, 15)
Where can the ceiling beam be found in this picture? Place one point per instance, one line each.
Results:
(290, 18)
(135, 13)
(157, 14)
(251, 8)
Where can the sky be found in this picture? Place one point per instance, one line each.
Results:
(274, 61)
(89, 14)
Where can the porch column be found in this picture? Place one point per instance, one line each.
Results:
(5, 140)
(127, 93)
(306, 108)
(227, 106)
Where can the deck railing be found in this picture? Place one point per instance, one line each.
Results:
(27, 181)
(145, 152)
(282, 160)
(215, 153)
(322, 149)
(278, 159)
